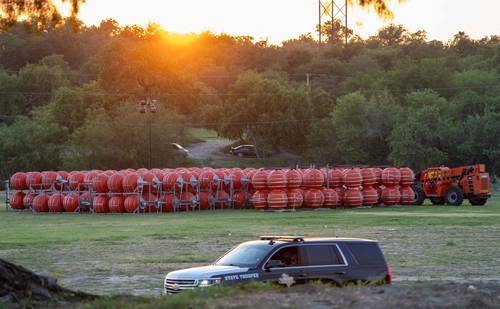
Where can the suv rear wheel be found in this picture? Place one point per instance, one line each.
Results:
(454, 196)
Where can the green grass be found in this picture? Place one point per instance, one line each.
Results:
(132, 253)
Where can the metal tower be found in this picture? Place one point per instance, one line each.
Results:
(331, 10)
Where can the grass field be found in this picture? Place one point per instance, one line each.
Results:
(131, 253)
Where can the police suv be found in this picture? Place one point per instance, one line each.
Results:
(289, 260)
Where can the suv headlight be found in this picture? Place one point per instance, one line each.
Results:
(209, 282)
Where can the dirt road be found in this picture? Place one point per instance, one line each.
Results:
(207, 149)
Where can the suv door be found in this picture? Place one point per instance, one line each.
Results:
(290, 270)
(325, 262)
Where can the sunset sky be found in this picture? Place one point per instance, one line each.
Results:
(278, 20)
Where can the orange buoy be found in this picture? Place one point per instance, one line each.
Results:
(294, 179)
(88, 177)
(259, 180)
(391, 176)
(16, 200)
(34, 180)
(277, 199)
(48, 179)
(239, 199)
(115, 183)
(331, 198)
(100, 183)
(295, 198)
(276, 179)
(259, 199)
(370, 196)
(55, 203)
(131, 203)
(70, 202)
(206, 200)
(314, 198)
(368, 176)
(378, 175)
(149, 202)
(170, 203)
(171, 181)
(130, 182)
(407, 176)
(116, 204)
(28, 200)
(75, 179)
(335, 178)
(353, 197)
(222, 199)
(353, 178)
(40, 203)
(391, 196)
(100, 204)
(18, 181)
(313, 178)
(340, 193)
(206, 179)
(407, 195)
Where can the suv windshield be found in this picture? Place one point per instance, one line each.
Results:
(245, 255)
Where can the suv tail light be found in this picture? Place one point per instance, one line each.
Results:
(389, 274)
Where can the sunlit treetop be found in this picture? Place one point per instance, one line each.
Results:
(42, 13)
(39, 13)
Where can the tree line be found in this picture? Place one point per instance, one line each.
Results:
(69, 93)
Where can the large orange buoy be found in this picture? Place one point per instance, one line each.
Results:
(237, 179)
(259, 199)
(28, 200)
(353, 197)
(40, 203)
(295, 198)
(370, 196)
(48, 179)
(131, 203)
(116, 204)
(407, 195)
(353, 178)
(149, 202)
(169, 203)
(335, 178)
(222, 199)
(75, 179)
(88, 177)
(391, 176)
(314, 198)
(259, 180)
(239, 199)
(407, 176)
(85, 199)
(276, 179)
(189, 200)
(100, 204)
(294, 179)
(130, 182)
(189, 181)
(115, 183)
(148, 181)
(368, 176)
(206, 179)
(206, 200)
(34, 180)
(391, 196)
(55, 203)
(100, 183)
(340, 193)
(171, 181)
(378, 174)
(18, 181)
(277, 199)
(70, 202)
(313, 178)
(16, 200)
(331, 198)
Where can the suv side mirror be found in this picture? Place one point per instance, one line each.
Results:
(273, 264)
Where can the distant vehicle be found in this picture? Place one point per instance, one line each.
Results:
(289, 260)
(444, 185)
(180, 150)
(244, 151)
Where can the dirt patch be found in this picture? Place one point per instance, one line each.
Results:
(207, 149)
(19, 287)
(450, 295)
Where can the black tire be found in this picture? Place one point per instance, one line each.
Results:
(419, 195)
(477, 201)
(454, 196)
(437, 200)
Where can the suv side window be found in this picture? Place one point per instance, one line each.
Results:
(289, 256)
(323, 255)
(367, 254)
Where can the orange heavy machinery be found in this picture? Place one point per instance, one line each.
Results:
(444, 185)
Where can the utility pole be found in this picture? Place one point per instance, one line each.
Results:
(148, 106)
